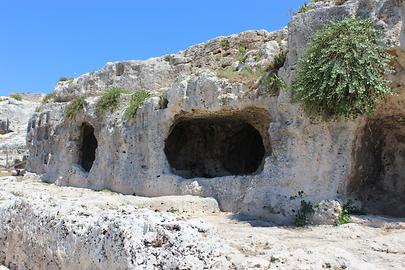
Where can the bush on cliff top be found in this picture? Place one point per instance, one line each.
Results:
(110, 100)
(342, 71)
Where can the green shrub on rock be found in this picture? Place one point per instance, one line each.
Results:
(75, 106)
(304, 214)
(110, 100)
(342, 71)
(137, 99)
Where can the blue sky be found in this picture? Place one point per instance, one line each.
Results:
(43, 40)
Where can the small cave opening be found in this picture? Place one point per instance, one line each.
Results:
(88, 147)
(378, 178)
(216, 145)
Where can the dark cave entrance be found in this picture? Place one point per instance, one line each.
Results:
(214, 146)
(379, 172)
(88, 147)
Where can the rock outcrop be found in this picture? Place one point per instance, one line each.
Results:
(43, 226)
(14, 117)
(211, 90)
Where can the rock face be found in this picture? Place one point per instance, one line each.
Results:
(188, 145)
(83, 230)
(14, 117)
(44, 226)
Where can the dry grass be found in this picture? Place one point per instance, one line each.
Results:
(246, 76)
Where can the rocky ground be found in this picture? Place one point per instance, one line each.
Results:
(43, 226)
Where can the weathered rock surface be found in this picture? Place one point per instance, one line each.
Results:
(15, 115)
(225, 80)
(43, 226)
(326, 213)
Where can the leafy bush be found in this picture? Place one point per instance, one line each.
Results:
(110, 100)
(344, 217)
(342, 71)
(304, 214)
(75, 107)
(48, 97)
(347, 210)
(137, 99)
(16, 97)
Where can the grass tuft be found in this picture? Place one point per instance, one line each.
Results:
(75, 106)
(137, 99)
(110, 100)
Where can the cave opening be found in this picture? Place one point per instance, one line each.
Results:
(215, 146)
(88, 147)
(379, 172)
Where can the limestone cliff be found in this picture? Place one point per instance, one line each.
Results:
(221, 132)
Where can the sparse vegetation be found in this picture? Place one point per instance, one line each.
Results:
(304, 214)
(110, 100)
(75, 106)
(349, 209)
(246, 76)
(304, 8)
(65, 79)
(137, 99)
(49, 97)
(340, 2)
(225, 44)
(242, 54)
(344, 217)
(273, 83)
(16, 97)
(342, 71)
(168, 58)
(173, 210)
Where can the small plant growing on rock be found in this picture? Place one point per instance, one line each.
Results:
(304, 8)
(110, 100)
(137, 99)
(225, 44)
(16, 97)
(340, 2)
(349, 209)
(173, 210)
(168, 58)
(75, 106)
(65, 79)
(273, 83)
(304, 214)
(342, 71)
